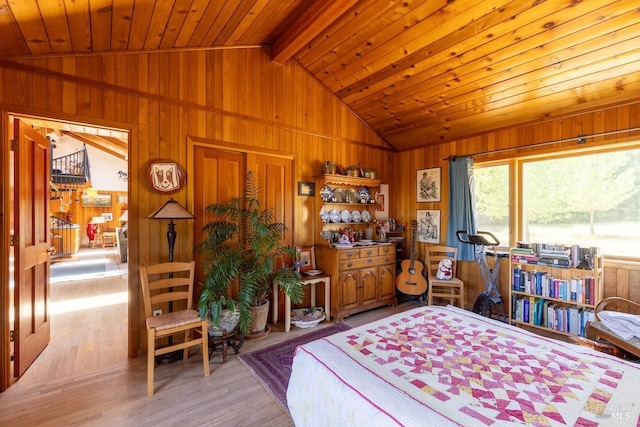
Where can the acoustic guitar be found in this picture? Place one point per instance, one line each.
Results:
(411, 281)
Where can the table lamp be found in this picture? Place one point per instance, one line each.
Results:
(98, 220)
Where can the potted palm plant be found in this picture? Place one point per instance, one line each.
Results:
(241, 244)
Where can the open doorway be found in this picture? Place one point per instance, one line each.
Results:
(88, 283)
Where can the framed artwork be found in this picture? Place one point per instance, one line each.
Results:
(108, 216)
(99, 201)
(123, 200)
(382, 202)
(428, 230)
(307, 257)
(428, 184)
(165, 176)
(306, 188)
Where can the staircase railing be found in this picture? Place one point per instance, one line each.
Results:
(63, 234)
(71, 171)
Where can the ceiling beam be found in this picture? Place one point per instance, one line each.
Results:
(318, 17)
(99, 143)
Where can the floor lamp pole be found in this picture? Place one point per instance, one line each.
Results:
(174, 356)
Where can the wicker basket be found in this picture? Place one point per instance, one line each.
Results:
(307, 317)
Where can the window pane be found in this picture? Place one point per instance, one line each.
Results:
(492, 200)
(589, 200)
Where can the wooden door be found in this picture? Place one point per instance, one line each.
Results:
(369, 285)
(348, 285)
(275, 179)
(387, 282)
(220, 176)
(31, 210)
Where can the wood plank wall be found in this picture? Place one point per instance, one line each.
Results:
(237, 97)
(231, 96)
(621, 279)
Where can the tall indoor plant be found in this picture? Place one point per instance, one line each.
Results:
(241, 243)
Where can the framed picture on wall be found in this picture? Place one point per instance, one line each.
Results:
(99, 201)
(382, 202)
(307, 257)
(306, 188)
(428, 184)
(428, 230)
(108, 216)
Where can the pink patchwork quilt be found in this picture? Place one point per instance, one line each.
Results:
(446, 366)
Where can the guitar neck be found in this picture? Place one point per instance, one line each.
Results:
(414, 225)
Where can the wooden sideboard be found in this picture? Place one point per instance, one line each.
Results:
(362, 277)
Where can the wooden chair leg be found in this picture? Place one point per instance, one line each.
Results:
(187, 336)
(151, 360)
(205, 347)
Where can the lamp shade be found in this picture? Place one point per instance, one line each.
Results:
(124, 216)
(97, 220)
(171, 210)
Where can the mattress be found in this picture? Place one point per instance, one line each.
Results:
(442, 366)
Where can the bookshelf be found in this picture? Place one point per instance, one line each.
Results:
(552, 295)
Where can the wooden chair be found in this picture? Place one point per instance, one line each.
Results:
(171, 284)
(453, 289)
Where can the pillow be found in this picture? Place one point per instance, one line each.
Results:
(445, 269)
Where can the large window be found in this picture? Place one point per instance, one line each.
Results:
(492, 200)
(589, 200)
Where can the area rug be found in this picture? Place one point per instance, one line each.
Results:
(272, 365)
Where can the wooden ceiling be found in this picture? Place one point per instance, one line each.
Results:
(417, 71)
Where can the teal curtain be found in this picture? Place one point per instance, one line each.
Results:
(462, 208)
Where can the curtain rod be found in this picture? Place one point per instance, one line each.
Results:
(581, 139)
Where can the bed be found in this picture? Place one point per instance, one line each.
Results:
(442, 366)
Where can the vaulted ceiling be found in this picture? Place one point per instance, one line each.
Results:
(417, 71)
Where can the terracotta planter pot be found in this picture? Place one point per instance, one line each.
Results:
(259, 318)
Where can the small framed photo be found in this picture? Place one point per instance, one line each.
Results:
(108, 216)
(306, 188)
(307, 257)
(428, 230)
(123, 200)
(428, 185)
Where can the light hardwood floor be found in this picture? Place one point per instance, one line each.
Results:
(85, 378)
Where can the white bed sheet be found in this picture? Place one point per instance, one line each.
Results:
(330, 386)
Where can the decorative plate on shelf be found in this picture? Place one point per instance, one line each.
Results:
(312, 272)
(324, 216)
(345, 215)
(334, 215)
(355, 216)
(351, 196)
(326, 193)
(366, 216)
(364, 195)
(338, 195)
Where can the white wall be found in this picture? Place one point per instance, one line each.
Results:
(104, 166)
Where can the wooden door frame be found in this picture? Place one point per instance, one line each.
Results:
(6, 208)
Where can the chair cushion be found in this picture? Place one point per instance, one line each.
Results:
(173, 320)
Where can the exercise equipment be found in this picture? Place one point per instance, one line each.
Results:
(489, 303)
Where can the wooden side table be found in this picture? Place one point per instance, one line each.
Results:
(109, 238)
(234, 340)
(325, 279)
(97, 240)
